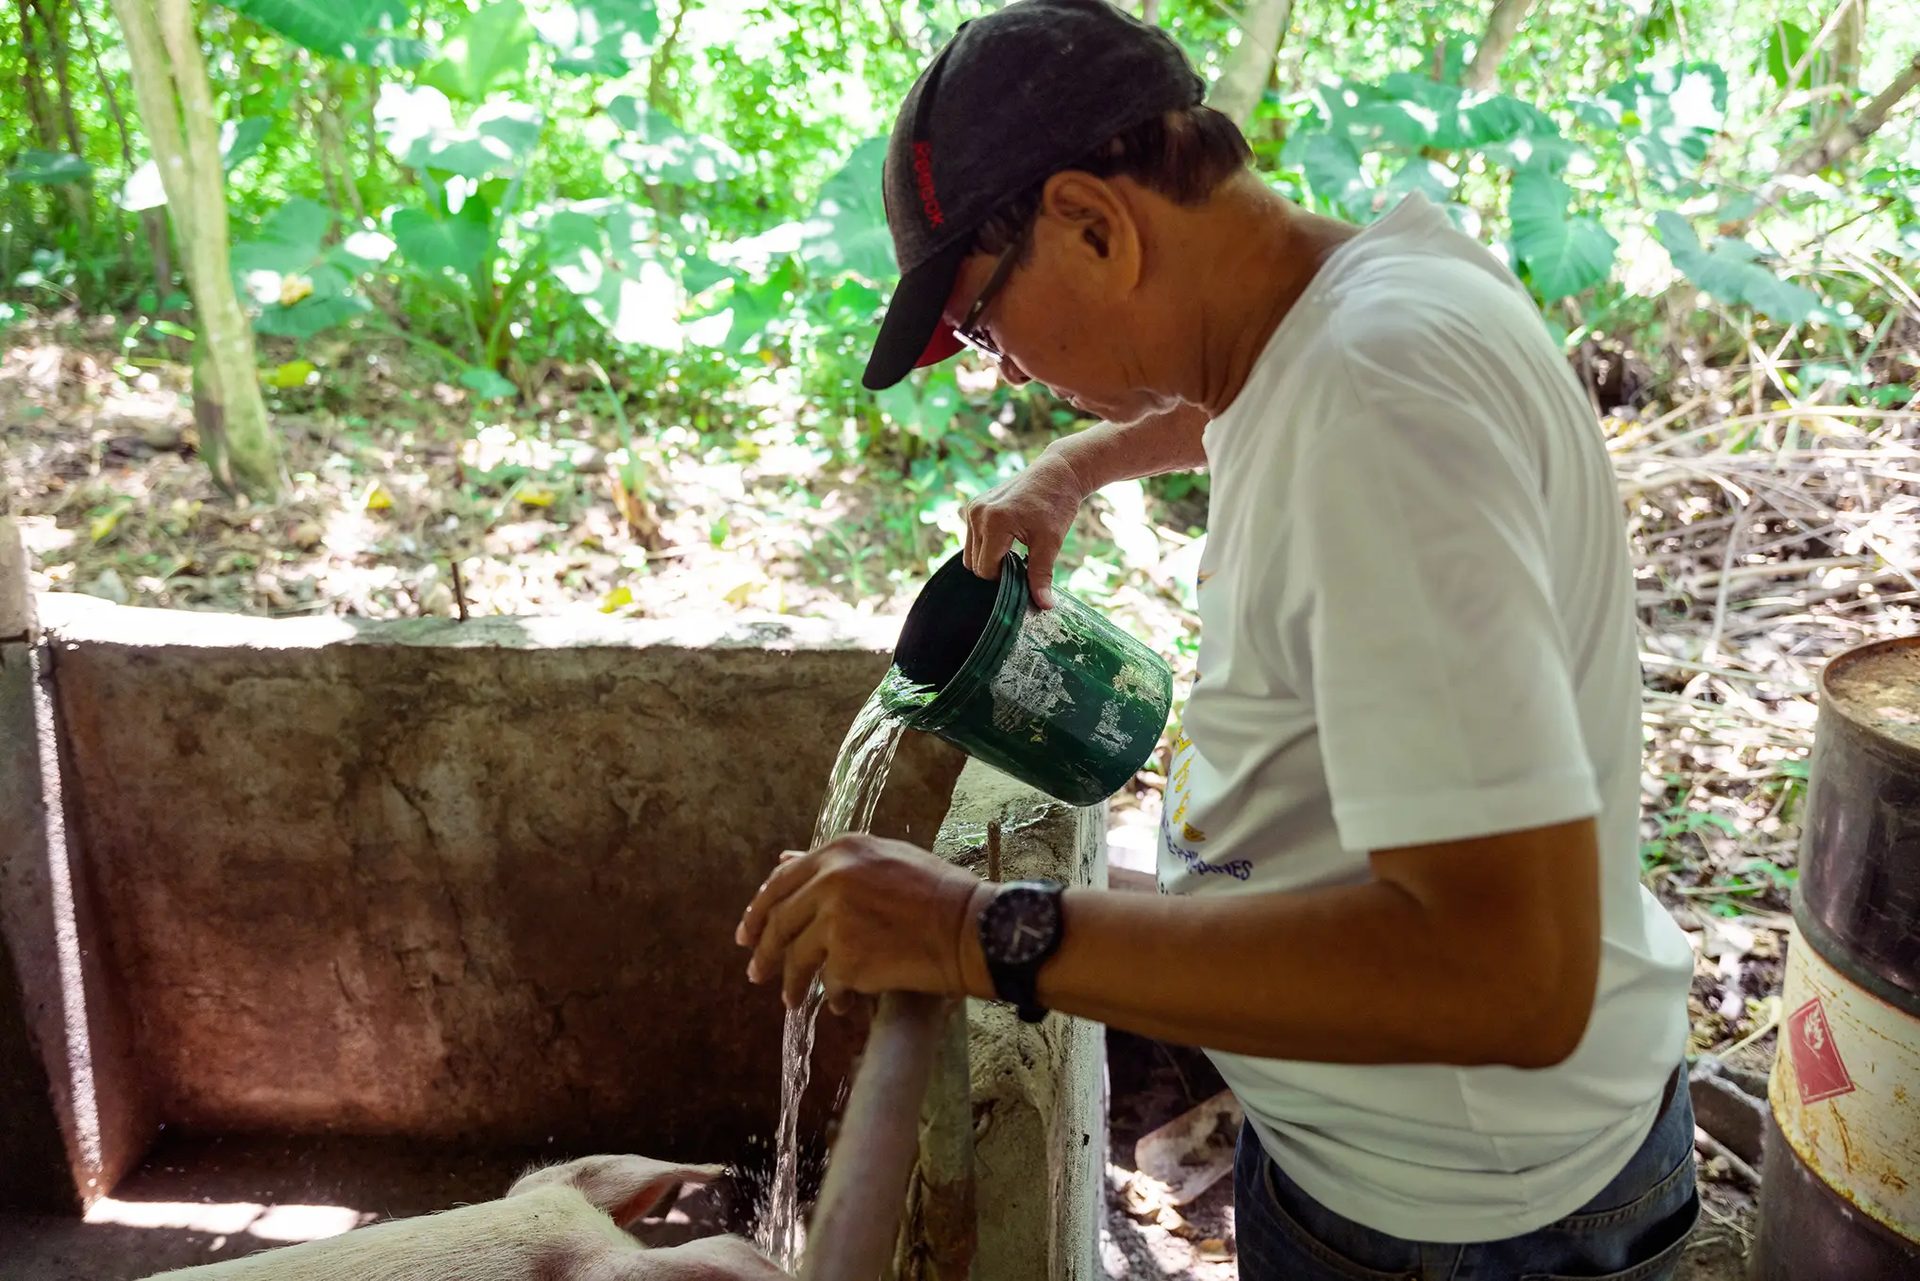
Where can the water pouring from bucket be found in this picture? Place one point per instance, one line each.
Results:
(1060, 699)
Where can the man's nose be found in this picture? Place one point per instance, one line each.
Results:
(1014, 375)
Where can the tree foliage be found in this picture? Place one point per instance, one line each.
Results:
(670, 186)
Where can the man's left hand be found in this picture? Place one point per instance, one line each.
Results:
(868, 916)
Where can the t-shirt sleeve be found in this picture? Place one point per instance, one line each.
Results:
(1439, 668)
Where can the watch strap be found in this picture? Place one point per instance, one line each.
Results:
(1017, 983)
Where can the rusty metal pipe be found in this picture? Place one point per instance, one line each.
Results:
(857, 1215)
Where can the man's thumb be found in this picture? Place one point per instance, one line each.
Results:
(1040, 573)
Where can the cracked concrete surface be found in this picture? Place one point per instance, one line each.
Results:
(456, 882)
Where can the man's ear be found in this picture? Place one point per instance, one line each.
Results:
(1100, 220)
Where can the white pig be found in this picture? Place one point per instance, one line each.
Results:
(563, 1223)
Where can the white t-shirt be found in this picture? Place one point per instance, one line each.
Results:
(1417, 625)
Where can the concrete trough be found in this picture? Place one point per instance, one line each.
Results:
(457, 886)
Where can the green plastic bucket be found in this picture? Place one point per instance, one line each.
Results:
(1061, 699)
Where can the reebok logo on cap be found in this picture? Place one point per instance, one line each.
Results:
(923, 180)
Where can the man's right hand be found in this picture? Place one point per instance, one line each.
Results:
(1036, 507)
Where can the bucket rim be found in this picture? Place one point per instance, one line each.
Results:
(996, 634)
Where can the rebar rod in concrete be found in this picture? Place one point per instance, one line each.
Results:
(857, 1215)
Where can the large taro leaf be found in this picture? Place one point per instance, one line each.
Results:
(847, 231)
(488, 49)
(1730, 271)
(420, 131)
(602, 252)
(287, 273)
(370, 32)
(331, 302)
(659, 150)
(458, 243)
(1669, 117)
(240, 140)
(598, 37)
(753, 306)
(924, 405)
(1332, 168)
(48, 169)
(1428, 177)
(1563, 254)
(286, 242)
(1413, 113)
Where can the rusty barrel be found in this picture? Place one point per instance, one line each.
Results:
(1841, 1193)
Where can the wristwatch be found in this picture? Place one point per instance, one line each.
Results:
(1020, 928)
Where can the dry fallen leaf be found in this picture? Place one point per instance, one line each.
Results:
(1214, 1250)
(1146, 1196)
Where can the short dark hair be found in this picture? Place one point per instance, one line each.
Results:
(1182, 155)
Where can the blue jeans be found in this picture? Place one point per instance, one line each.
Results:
(1633, 1230)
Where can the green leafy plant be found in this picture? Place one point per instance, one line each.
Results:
(1677, 823)
(364, 31)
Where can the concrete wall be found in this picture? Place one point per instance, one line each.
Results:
(470, 881)
(474, 882)
(34, 1174)
(74, 1114)
(1040, 1138)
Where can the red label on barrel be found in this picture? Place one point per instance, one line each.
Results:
(1816, 1059)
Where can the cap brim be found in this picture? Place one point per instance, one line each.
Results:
(914, 332)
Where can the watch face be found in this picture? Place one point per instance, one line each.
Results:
(1019, 924)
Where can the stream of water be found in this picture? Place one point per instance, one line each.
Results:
(853, 790)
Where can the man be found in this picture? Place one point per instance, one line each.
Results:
(1399, 878)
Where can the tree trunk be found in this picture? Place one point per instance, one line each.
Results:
(1863, 124)
(39, 109)
(106, 87)
(1263, 27)
(1848, 40)
(658, 95)
(1835, 145)
(54, 19)
(153, 222)
(176, 104)
(1150, 12)
(49, 135)
(1502, 25)
(333, 141)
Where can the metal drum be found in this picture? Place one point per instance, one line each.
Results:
(1841, 1194)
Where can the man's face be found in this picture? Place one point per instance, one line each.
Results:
(1058, 318)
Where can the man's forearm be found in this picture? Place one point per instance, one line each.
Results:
(1110, 452)
(1349, 974)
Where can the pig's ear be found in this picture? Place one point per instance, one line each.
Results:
(621, 1187)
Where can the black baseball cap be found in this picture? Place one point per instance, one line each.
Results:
(1016, 95)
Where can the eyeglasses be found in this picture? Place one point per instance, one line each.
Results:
(968, 331)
